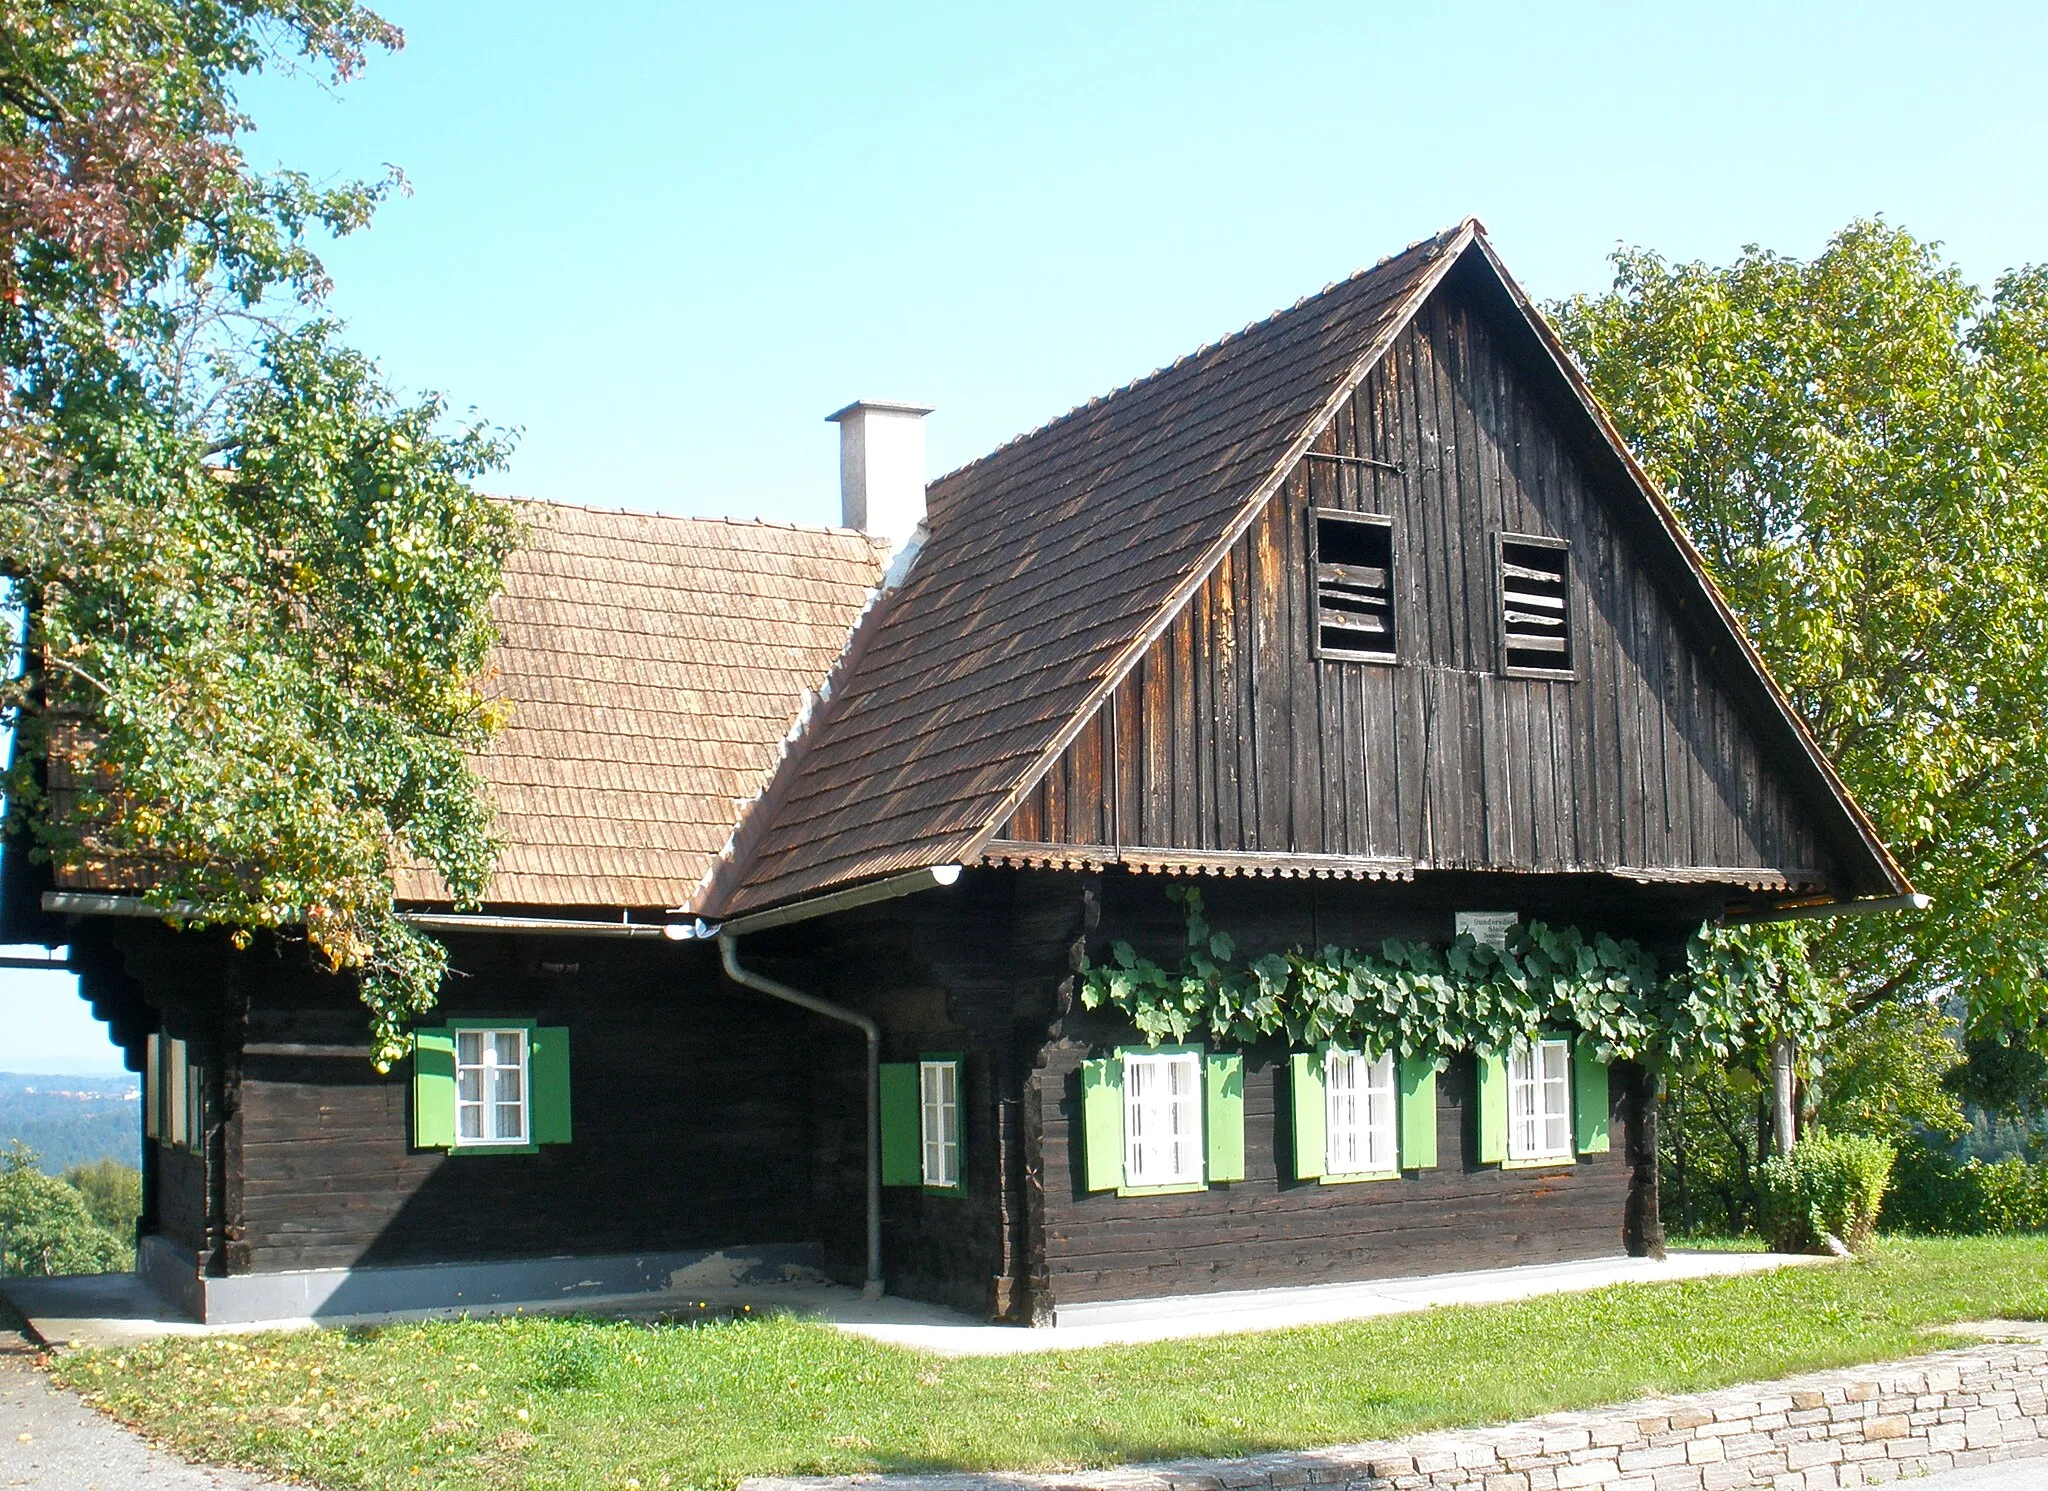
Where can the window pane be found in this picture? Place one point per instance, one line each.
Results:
(1340, 1113)
(490, 1086)
(1379, 1115)
(1162, 1122)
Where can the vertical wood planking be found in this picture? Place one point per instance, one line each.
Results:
(1232, 735)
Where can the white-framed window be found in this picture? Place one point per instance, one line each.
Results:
(1358, 1114)
(490, 1087)
(1540, 1100)
(1162, 1118)
(173, 1094)
(938, 1094)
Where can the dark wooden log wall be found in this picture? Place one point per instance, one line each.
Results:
(1230, 735)
(692, 1105)
(978, 968)
(1269, 1229)
(140, 978)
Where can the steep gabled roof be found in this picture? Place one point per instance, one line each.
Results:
(1055, 561)
(1049, 564)
(654, 666)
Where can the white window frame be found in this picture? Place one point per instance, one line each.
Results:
(938, 1122)
(1540, 1100)
(1163, 1139)
(487, 1105)
(1360, 1100)
(173, 1094)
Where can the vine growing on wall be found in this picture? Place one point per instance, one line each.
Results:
(1734, 990)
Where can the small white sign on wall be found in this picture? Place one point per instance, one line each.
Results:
(1487, 928)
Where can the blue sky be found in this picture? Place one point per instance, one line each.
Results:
(666, 242)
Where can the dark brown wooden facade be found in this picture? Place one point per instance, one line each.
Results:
(1112, 660)
(708, 1117)
(1232, 734)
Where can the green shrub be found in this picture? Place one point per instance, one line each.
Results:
(45, 1227)
(1937, 1194)
(2012, 1196)
(112, 1192)
(1931, 1193)
(1828, 1186)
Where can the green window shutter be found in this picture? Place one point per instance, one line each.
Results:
(547, 1073)
(1493, 1109)
(1102, 1122)
(1589, 1099)
(1418, 1113)
(433, 1089)
(1305, 1069)
(902, 1133)
(1223, 1123)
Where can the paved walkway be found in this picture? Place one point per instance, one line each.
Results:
(50, 1440)
(118, 1310)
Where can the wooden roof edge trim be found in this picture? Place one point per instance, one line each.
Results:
(1229, 863)
(1862, 830)
(1467, 226)
(1749, 877)
(1248, 512)
(754, 817)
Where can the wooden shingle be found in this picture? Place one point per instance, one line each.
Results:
(653, 666)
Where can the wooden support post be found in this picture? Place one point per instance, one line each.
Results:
(1783, 1055)
(1643, 1223)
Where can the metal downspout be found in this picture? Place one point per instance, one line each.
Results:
(728, 953)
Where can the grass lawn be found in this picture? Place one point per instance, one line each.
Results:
(585, 1403)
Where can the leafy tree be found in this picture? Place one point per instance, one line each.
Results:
(46, 1228)
(1885, 1075)
(112, 1192)
(256, 582)
(1859, 446)
(2006, 1080)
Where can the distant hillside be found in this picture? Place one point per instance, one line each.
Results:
(72, 1120)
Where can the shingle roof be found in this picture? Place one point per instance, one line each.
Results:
(1049, 564)
(654, 666)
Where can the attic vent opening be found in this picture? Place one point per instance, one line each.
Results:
(1535, 614)
(1354, 578)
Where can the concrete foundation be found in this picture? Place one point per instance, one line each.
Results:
(546, 1283)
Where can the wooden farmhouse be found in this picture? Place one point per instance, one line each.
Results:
(1362, 620)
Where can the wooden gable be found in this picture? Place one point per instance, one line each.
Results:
(1237, 741)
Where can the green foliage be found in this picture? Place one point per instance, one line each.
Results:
(1713, 1135)
(2006, 1078)
(1829, 1186)
(1858, 444)
(256, 581)
(1416, 999)
(46, 1226)
(1934, 1193)
(112, 1192)
(1885, 1074)
(455, 1403)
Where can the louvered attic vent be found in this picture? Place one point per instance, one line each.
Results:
(1535, 620)
(1354, 575)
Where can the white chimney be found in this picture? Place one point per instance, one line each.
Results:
(881, 468)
